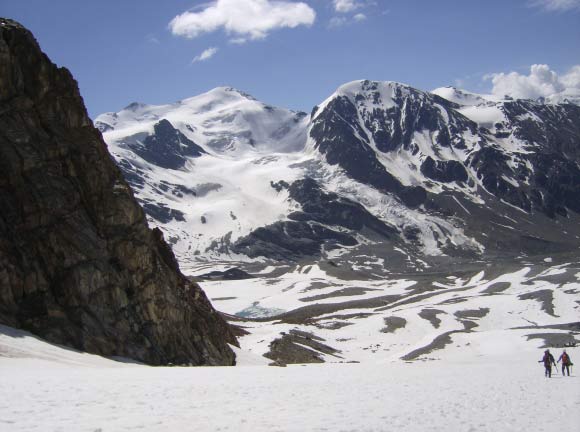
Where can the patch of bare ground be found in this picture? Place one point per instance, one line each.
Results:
(345, 292)
(440, 342)
(431, 316)
(393, 323)
(545, 297)
(298, 347)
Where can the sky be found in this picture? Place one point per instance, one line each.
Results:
(295, 54)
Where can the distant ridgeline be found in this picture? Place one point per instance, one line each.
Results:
(378, 169)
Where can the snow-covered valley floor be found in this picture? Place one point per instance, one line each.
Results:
(474, 340)
(474, 394)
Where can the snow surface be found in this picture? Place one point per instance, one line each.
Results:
(487, 379)
(249, 145)
(464, 97)
(466, 394)
(223, 120)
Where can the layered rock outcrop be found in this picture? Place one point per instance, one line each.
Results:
(78, 264)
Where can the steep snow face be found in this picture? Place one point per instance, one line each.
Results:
(223, 120)
(463, 97)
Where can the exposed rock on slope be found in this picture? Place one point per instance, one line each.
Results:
(380, 169)
(78, 264)
(167, 147)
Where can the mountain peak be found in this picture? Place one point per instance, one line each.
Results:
(366, 86)
(463, 97)
(372, 94)
(226, 92)
(135, 106)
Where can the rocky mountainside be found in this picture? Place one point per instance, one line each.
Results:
(378, 169)
(78, 264)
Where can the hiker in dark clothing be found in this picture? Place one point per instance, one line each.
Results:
(566, 362)
(548, 361)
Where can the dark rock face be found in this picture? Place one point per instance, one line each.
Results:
(543, 177)
(444, 171)
(162, 213)
(331, 209)
(289, 240)
(325, 219)
(548, 174)
(343, 142)
(78, 264)
(490, 164)
(167, 147)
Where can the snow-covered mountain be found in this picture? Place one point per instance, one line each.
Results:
(224, 120)
(379, 168)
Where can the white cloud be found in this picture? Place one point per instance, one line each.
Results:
(244, 19)
(337, 22)
(347, 11)
(345, 6)
(572, 78)
(541, 82)
(556, 5)
(205, 55)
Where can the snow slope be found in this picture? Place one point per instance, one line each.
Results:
(485, 377)
(223, 120)
(226, 193)
(464, 394)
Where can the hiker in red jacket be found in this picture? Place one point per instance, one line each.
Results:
(548, 361)
(566, 362)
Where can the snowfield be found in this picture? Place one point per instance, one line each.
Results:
(412, 317)
(470, 363)
(466, 394)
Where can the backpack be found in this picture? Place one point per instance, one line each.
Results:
(547, 360)
(565, 359)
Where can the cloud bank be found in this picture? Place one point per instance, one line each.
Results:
(346, 12)
(243, 19)
(541, 82)
(556, 5)
(345, 6)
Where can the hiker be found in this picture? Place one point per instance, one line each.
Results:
(566, 362)
(548, 361)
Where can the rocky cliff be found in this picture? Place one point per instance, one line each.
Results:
(78, 264)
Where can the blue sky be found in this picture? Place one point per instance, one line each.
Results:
(294, 54)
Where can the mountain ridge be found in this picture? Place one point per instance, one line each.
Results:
(426, 164)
